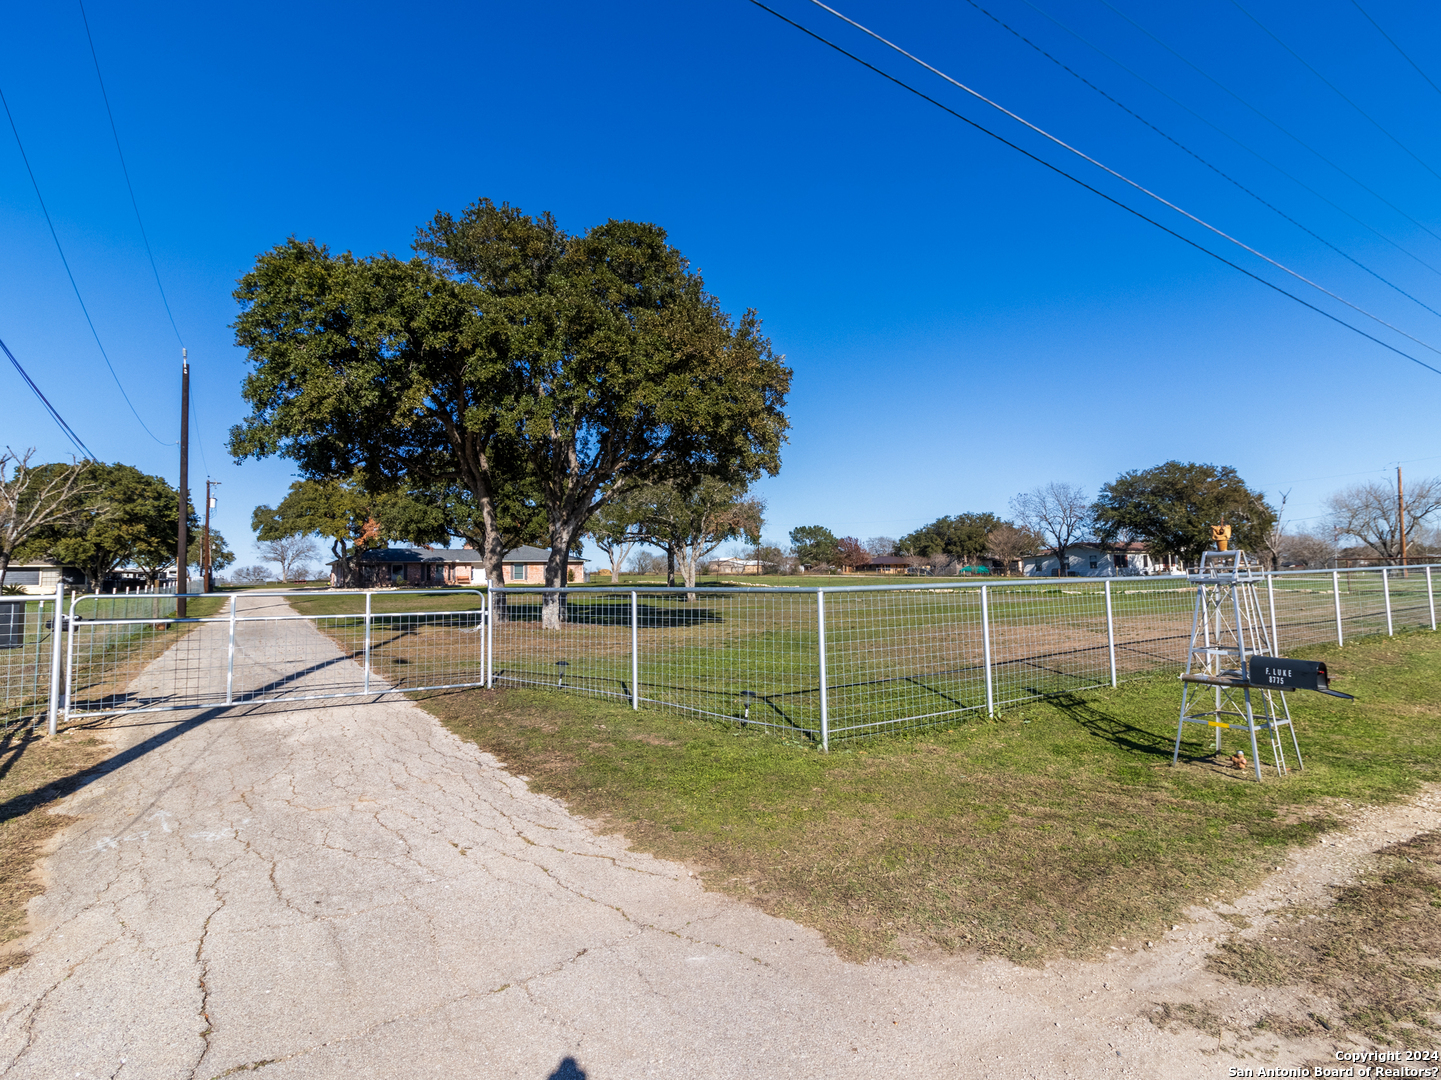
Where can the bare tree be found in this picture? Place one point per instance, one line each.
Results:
(1057, 512)
(36, 498)
(1273, 540)
(1008, 544)
(616, 529)
(881, 545)
(290, 553)
(1308, 549)
(251, 575)
(1368, 512)
(647, 563)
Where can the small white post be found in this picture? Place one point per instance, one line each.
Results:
(54, 703)
(1271, 598)
(986, 650)
(367, 642)
(825, 703)
(634, 652)
(1110, 632)
(1386, 589)
(1336, 592)
(230, 662)
(1431, 598)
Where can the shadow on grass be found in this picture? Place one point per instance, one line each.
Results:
(1118, 732)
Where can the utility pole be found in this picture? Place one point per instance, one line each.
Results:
(1401, 518)
(180, 538)
(207, 572)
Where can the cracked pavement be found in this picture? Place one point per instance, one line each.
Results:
(349, 890)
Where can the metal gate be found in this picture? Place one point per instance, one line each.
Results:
(133, 653)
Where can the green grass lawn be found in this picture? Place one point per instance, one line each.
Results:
(1053, 830)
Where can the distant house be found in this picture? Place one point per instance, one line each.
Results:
(421, 567)
(39, 577)
(1131, 559)
(886, 564)
(736, 566)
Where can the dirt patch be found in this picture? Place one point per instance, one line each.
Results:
(35, 773)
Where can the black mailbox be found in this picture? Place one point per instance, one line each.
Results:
(1278, 673)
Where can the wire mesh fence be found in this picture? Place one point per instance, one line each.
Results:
(27, 646)
(860, 660)
(816, 663)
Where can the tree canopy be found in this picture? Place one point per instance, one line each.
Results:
(815, 545)
(128, 517)
(511, 353)
(1172, 506)
(962, 537)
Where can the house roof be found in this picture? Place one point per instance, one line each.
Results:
(888, 560)
(412, 554)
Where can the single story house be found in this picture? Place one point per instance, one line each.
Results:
(734, 565)
(885, 564)
(421, 567)
(1132, 559)
(39, 577)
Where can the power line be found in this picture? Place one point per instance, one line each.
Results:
(1250, 150)
(1125, 179)
(1273, 123)
(65, 428)
(1094, 190)
(1398, 48)
(1182, 146)
(125, 169)
(56, 237)
(1335, 89)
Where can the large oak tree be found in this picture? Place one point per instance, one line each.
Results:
(1172, 507)
(511, 354)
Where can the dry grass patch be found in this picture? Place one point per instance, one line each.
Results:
(1373, 955)
(35, 772)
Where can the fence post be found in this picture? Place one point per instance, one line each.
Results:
(230, 660)
(1431, 598)
(489, 637)
(1336, 592)
(367, 642)
(1110, 633)
(67, 626)
(825, 703)
(986, 650)
(54, 703)
(1271, 599)
(634, 652)
(1386, 589)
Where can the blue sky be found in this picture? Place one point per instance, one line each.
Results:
(963, 323)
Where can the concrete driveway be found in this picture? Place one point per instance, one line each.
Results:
(350, 891)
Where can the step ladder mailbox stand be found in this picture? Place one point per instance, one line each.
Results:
(1231, 681)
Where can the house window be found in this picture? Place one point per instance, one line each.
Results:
(517, 571)
(1093, 563)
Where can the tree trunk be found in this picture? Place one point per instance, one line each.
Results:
(670, 566)
(617, 556)
(688, 563)
(1061, 566)
(4, 565)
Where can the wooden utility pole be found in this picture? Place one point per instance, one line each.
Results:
(180, 553)
(208, 571)
(1401, 514)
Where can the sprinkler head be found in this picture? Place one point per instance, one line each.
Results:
(561, 665)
